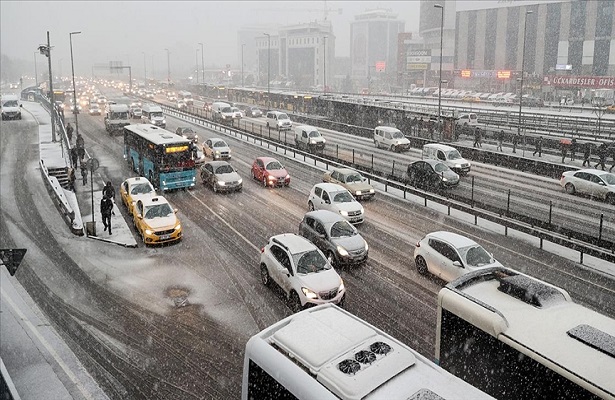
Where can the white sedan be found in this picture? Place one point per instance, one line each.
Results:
(593, 182)
(448, 255)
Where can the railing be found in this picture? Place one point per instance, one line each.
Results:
(593, 245)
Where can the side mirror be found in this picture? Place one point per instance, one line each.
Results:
(21, 105)
(457, 264)
(139, 216)
(175, 210)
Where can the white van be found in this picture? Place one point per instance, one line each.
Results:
(470, 119)
(152, 114)
(448, 155)
(278, 120)
(222, 112)
(117, 118)
(307, 137)
(11, 107)
(390, 138)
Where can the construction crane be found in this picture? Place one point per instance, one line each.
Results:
(325, 10)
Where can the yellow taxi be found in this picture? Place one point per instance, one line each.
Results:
(156, 221)
(611, 109)
(471, 99)
(133, 189)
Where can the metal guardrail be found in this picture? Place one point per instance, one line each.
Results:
(534, 227)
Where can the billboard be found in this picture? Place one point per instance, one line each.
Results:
(418, 59)
(580, 81)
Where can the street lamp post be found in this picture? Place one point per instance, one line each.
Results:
(72, 65)
(441, 7)
(144, 68)
(243, 45)
(324, 64)
(197, 65)
(168, 67)
(35, 70)
(268, 68)
(203, 61)
(528, 12)
(46, 51)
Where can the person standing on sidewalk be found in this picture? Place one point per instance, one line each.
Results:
(500, 138)
(564, 148)
(106, 208)
(602, 153)
(587, 153)
(612, 152)
(84, 174)
(538, 148)
(515, 141)
(71, 179)
(69, 132)
(80, 147)
(74, 157)
(573, 148)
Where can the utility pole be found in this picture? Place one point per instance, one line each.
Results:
(197, 65)
(324, 64)
(243, 45)
(46, 51)
(268, 69)
(144, 68)
(35, 70)
(203, 61)
(168, 67)
(72, 65)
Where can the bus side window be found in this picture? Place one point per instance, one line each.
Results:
(261, 385)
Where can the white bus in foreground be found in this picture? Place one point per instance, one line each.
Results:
(325, 352)
(516, 337)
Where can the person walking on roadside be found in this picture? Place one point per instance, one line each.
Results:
(71, 179)
(573, 148)
(69, 132)
(612, 152)
(564, 148)
(538, 148)
(500, 137)
(80, 147)
(515, 142)
(74, 157)
(106, 208)
(84, 174)
(587, 153)
(109, 191)
(476, 137)
(602, 153)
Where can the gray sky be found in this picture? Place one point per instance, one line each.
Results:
(122, 31)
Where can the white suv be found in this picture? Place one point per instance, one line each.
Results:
(302, 271)
(278, 120)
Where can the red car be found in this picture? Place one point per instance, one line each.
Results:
(270, 171)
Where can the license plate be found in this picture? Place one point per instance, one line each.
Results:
(165, 237)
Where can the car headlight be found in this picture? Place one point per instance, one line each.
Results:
(366, 246)
(342, 287)
(217, 151)
(240, 181)
(357, 193)
(312, 142)
(178, 227)
(371, 190)
(342, 251)
(344, 213)
(164, 121)
(270, 177)
(287, 176)
(149, 231)
(196, 137)
(458, 166)
(310, 294)
(221, 183)
(444, 179)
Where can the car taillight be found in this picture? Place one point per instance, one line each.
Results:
(262, 249)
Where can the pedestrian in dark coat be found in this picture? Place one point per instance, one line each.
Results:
(515, 141)
(500, 137)
(564, 148)
(587, 153)
(106, 208)
(74, 157)
(71, 179)
(602, 153)
(109, 191)
(476, 138)
(80, 147)
(84, 174)
(538, 148)
(612, 152)
(69, 132)
(574, 146)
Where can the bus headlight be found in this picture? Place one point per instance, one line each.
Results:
(342, 251)
(310, 294)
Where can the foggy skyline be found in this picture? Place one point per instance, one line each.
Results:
(123, 31)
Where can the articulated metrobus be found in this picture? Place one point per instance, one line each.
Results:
(326, 353)
(163, 157)
(516, 337)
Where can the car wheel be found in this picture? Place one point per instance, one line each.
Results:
(421, 265)
(310, 206)
(265, 278)
(331, 259)
(294, 302)
(610, 198)
(392, 148)
(570, 188)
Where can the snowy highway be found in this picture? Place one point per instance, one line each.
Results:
(183, 312)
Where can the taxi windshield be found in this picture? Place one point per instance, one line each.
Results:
(158, 211)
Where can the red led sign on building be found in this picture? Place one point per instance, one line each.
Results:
(380, 66)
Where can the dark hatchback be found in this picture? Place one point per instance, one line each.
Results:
(430, 174)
